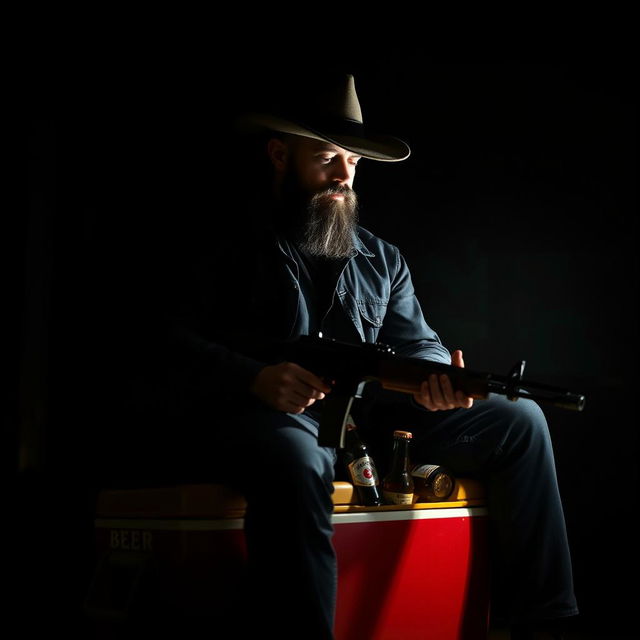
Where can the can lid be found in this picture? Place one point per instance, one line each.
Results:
(402, 434)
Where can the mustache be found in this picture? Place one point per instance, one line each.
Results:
(349, 195)
(337, 189)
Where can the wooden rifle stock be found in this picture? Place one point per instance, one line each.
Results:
(407, 375)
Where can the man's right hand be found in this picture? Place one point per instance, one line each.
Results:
(288, 387)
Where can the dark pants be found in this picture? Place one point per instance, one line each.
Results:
(287, 480)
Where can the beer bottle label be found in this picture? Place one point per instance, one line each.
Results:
(438, 483)
(424, 470)
(363, 472)
(393, 497)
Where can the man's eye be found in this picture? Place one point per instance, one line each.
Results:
(328, 159)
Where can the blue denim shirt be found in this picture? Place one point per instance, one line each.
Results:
(374, 301)
(375, 295)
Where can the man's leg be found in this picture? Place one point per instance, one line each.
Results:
(507, 445)
(287, 480)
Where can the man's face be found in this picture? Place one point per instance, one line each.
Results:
(315, 181)
(321, 165)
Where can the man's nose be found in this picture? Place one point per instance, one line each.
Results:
(341, 172)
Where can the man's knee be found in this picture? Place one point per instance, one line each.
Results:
(523, 423)
(284, 449)
(296, 458)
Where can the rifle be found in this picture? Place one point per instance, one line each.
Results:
(349, 367)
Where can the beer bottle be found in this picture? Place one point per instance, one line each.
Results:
(397, 486)
(432, 482)
(361, 468)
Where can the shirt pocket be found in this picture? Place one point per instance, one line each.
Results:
(372, 313)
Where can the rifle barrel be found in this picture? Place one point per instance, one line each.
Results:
(534, 391)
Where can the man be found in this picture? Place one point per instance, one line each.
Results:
(305, 266)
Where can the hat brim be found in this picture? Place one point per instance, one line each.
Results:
(381, 147)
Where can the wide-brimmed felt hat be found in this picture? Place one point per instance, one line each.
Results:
(330, 111)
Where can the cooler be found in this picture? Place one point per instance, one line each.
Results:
(411, 571)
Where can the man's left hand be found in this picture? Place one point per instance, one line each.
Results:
(437, 393)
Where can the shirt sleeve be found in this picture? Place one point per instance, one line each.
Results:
(404, 326)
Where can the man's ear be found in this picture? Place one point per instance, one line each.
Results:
(278, 152)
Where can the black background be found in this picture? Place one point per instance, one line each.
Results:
(516, 213)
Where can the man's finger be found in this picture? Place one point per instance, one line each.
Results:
(447, 390)
(464, 401)
(303, 390)
(424, 397)
(457, 359)
(436, 392)
(302, 399)
(312, 380)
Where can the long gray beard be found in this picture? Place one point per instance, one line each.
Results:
(330, 225)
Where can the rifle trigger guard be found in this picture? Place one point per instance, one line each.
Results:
(514, 379)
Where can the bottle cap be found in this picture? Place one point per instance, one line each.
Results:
(402, 434)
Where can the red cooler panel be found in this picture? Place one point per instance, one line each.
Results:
(412, 574)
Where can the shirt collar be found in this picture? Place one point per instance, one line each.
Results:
(358, 245)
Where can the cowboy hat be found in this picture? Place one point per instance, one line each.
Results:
(332, 114)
